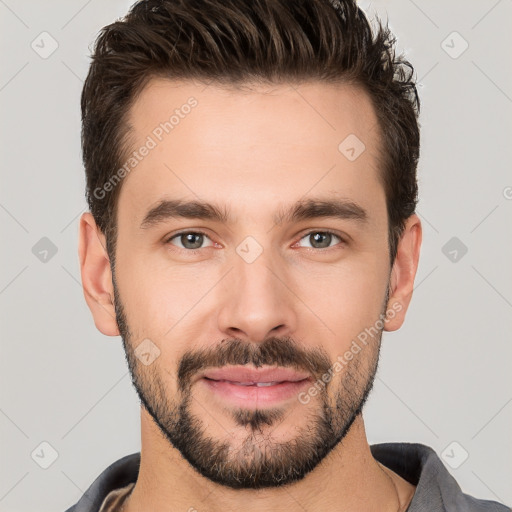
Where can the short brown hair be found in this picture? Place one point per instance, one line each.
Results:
(233, 42)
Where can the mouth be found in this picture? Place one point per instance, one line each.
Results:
(248, 376)
(258, 384)
(254, 387)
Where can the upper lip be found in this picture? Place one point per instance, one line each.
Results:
(246, 374)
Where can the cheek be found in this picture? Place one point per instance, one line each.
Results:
(160, 296)
(346, 298)
(163, 300)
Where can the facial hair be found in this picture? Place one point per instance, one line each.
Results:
(260, 461)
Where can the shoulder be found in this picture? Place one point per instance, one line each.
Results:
(436, 489)
(119, 474)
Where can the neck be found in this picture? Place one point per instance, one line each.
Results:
(349, 478)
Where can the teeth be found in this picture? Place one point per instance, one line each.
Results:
(258, 384)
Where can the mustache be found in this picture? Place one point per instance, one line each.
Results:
(271, 352)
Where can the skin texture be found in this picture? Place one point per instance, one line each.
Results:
(255, 152)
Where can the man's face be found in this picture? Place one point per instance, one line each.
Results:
(212, 298)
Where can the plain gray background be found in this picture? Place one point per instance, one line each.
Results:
(444, 377)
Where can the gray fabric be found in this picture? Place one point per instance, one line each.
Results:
(436, 489)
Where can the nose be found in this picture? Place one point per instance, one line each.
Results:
(257, 301)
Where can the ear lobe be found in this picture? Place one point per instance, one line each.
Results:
(96, 275)
(403, 274)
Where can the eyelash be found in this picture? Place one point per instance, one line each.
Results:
(199, 232)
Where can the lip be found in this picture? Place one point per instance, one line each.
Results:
(227, 384)
(247, 374)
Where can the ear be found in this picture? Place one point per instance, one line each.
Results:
(96, 275)
(403, 274)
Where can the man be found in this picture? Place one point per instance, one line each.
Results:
(251, 176)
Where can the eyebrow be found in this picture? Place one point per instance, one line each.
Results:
(304, 209)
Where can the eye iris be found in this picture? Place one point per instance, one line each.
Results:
(189, 237)
(321, 238)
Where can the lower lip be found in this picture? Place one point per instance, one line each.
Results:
(255, 396)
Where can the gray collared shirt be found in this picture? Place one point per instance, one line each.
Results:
(436, 489)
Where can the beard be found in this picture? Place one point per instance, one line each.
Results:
(259, 460)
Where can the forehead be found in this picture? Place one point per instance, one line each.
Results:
(250, 148)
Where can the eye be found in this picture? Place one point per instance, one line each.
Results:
(321, 239)
(190, 240)
(193, 240)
